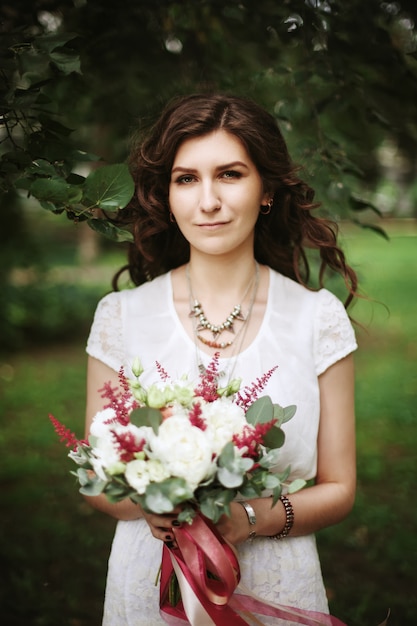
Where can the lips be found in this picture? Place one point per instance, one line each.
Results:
(212, 225)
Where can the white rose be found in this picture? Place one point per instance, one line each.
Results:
(184, 450)
(224, 419)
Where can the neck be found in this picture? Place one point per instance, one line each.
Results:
(216, 277)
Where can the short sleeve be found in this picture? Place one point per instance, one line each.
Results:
(334, 337)
(105, 341)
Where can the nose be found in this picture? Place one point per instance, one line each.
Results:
(209, 198)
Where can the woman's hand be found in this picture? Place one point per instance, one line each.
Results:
(236, 528)
(161, 526)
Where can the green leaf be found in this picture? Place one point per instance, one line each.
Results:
(55, 190)
(274, 438)
(289, 412)
(227, 455)
(276, 494)
(52, 41)
(358, 204)
(41, 167)
(374, 227)
(156, 501)
(271, 481)
(261, 411)
(66, 61)
(228, 478)
(110, 187)
(146, 416)
(249, 491)
(296, 485)
(103, 227)
(270, 459)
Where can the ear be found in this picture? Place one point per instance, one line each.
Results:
(266, 197)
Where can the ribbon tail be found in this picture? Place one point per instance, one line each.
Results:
(248, 601)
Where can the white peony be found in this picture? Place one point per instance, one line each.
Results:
(184, 450)
(102, 422)
(224, 419)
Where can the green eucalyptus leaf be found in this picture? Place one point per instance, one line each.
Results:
(289, 412)
(296, 485)
(93, 487)
(278, 414)
(249, 491)
(227, 455)
(146, 416)
(274, 438)
(271, 481)
(261, 411)
(209, 509)
(156, 501)
(276, 494)
(270, 459)
(228, 478)
(110, 187)
(103, 227)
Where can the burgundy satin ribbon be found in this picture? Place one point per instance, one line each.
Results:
(208, 573)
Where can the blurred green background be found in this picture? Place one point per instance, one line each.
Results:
(78, 77)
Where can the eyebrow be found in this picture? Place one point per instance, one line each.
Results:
(226, 166)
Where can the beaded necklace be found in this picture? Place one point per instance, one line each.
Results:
(240, 335)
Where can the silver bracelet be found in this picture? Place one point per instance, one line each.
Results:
(250, 512)
(289, 519)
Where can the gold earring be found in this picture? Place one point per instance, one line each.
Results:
(266, 210)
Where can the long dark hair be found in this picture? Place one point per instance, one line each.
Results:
(281, 237)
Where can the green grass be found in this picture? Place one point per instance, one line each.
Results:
(54, 547)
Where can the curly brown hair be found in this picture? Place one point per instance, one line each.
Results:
(281, 237)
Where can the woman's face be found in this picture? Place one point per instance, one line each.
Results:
(215, 194)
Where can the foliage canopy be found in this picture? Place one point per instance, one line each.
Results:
(340, 77)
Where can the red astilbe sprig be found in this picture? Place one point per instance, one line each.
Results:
(127, 445)
(252, 437)
(120, 400)
(195, 417)
(207, 389)
(163, 374)
(250, 393)
(66, 435)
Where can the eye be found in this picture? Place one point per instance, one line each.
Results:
(229, 174)
(185, 179)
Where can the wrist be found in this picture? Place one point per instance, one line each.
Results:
(289, 518)
(251, 515)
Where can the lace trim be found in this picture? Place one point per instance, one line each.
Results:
(105, 341)
(334, 335)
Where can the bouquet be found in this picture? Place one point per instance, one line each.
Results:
(192, 446)
(177, 444)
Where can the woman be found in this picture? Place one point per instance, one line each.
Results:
(221, 223)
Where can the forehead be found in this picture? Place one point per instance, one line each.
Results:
(217, 145)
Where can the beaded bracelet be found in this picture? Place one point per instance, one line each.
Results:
(289, 519)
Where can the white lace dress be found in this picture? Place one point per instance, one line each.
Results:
(303, 332)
